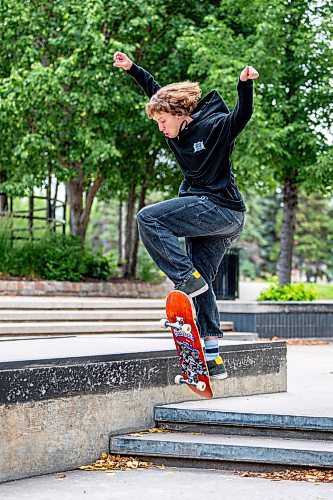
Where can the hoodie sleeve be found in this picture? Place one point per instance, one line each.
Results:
(146, 81)
(242, 112)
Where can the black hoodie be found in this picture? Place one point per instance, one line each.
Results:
(203, 148)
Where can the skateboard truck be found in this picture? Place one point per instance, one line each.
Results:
(179, 380)
(179, 325)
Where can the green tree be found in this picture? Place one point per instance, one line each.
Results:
(56, 107)
(314, 237)
(288, 42)
(260, 239)
(65, 110)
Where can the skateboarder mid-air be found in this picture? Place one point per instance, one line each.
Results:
(209, 210)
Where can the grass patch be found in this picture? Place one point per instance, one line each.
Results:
(325, 292)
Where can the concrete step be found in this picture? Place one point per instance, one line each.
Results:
(62, 303)
(78, 327)
(241, 423)
(82, 315)
(225, 448)
(101, 315)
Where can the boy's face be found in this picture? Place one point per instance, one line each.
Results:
(168, 124)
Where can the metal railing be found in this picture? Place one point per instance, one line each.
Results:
(51, 222)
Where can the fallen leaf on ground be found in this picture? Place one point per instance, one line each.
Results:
(309, 475)
(157, 429)
(116, 462)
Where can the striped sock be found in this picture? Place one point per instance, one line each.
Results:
(211, 349)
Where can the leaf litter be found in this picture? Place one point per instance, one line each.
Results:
(116, 462)
(309, 475)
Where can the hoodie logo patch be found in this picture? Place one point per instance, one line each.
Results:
(198, 146)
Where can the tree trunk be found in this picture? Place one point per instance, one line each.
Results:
(3, 196)
(132, 233)
(290, 201)
(141, 204)
(121, 231)
(48, 201)
(80, 214)
(129, 233)
(54, 206)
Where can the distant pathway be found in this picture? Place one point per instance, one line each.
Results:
(250, 290)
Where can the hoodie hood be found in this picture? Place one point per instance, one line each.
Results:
(211, 103)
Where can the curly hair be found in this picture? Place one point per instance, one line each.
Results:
(176, 98)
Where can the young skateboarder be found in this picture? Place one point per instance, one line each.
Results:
(209, 210)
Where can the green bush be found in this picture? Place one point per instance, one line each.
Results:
(61, 258)
(289, 292)
(55, 257)
(147, 269)
(97, 266)
(5, 244)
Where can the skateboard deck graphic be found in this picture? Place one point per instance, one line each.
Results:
(181, 319)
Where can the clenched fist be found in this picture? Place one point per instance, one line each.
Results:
(249, 73)
(122, 61)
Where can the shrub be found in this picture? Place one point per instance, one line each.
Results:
(96, 266)
(55, 257)
(289, 292)
(61, 258)
(5, 244)
(148, 270)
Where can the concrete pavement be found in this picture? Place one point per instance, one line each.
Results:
(250, 290)
(170, 483)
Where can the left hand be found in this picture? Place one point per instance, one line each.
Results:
(249, 73)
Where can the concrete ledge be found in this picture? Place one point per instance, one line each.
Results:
(135, 289)
(280, 319)
(59, 412)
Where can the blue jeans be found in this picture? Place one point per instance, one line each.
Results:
(209, 230)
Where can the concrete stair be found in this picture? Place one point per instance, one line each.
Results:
(220, 438)
(25, 316)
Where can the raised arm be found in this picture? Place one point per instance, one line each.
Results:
(146, 81)
(243, 110)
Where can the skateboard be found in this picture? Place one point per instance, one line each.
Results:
(181, 319)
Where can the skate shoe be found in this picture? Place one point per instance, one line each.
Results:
(217, 369)
(194, 285)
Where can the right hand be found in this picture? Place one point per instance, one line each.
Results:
(122, 61)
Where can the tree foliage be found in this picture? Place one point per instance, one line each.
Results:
(66, 111)
(285, 144)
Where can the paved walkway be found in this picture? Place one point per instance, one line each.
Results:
(310, 378)
(250, 290)
(310, 388)
(167, 484)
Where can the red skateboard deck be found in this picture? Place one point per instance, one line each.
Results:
(181, 319)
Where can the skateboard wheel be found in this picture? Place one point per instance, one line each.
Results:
(179, 379)
(186, 328)
(201, 386)
(164, 323)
